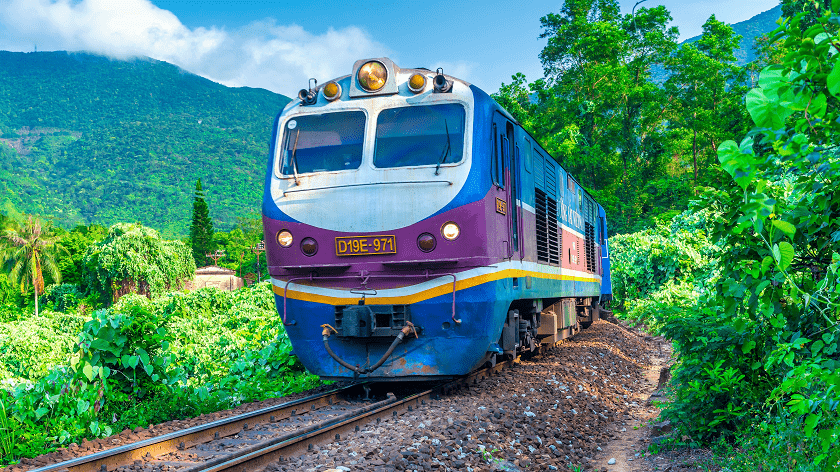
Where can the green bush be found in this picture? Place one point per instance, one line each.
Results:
(145, 361)
(674, 251)
(128, 345)
(62, 297)
(134, 258)
(33, 345)
(671, 300)
(761, 360)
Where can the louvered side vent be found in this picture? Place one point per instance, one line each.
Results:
(550, 180)
(542, 227)
(590, 247)
(539, 170)
(553, 240)
(589, 217)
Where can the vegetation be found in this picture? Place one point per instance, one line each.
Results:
(719, 181)
(119, 349)
(134, 259)
(640, 148)
(745, 282)
(201, 229)
(31, 252)
(109, 141)
(751, 31)
(142, 361)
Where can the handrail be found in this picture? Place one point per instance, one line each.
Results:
(365, 277)
(294, 190)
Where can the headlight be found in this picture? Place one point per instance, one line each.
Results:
(309, 246)
(332, 91)
(450, 231)
(284, 238)
(426, 242)
(372, 76)
(417, 83)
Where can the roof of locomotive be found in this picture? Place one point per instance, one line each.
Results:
(350, 81)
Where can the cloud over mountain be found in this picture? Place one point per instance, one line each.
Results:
(261, 54)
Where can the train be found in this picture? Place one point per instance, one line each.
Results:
(415, 231)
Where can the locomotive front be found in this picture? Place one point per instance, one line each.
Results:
(372, 219)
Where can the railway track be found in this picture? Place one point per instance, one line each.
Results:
(253, 440)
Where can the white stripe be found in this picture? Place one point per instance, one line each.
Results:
(439, 281)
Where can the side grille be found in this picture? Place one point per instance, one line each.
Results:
(590, 247)
(548, 248)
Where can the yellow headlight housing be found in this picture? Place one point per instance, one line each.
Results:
(284, 238)
(416, 83)
(332, 91)
(450, 231)
(372, 76)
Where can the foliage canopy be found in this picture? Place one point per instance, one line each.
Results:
(134, 258)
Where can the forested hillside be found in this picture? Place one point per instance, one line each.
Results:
(87, 139)
(750, 30)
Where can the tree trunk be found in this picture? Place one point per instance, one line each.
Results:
(35, 286)
(694, 146)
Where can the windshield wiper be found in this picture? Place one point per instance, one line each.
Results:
(294, 158)
(445, 151)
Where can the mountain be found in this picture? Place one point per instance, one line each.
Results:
(88, 139)
(750, 30)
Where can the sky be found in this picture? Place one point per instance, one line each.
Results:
(279, 45)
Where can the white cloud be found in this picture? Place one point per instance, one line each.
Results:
(261, 54)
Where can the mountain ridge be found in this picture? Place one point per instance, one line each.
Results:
(750, 30)
(90, 139)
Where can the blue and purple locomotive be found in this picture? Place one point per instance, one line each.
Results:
(415, 231)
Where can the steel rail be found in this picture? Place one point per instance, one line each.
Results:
(123, 455)
(261, 455)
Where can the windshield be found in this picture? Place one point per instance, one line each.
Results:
(320, 143)
(420, 135)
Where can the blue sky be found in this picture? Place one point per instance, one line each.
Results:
(278, 45)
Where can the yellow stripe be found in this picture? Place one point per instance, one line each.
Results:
(429, 293)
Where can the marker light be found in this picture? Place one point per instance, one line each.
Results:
(284, 238)
(417, 83)
(426, 242)
(332, 91)
(372, 76)
(450, 231)
(309, 246)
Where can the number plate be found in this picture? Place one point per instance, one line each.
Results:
(365, 245)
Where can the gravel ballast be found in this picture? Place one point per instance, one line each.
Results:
(548, 413)
(551, 412)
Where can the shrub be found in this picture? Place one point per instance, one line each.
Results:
(33, 345)
(677, 251)
(133, 258)
(62, 297)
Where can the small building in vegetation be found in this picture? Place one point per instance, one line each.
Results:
(214, 276)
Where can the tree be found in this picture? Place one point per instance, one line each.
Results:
(201, 229)
(134, 258)
(761, 351)
(809, 11)
(597, 109)
(707, 89)
(76, 242)
(31, 251)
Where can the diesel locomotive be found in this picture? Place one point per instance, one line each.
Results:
(414, 230)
